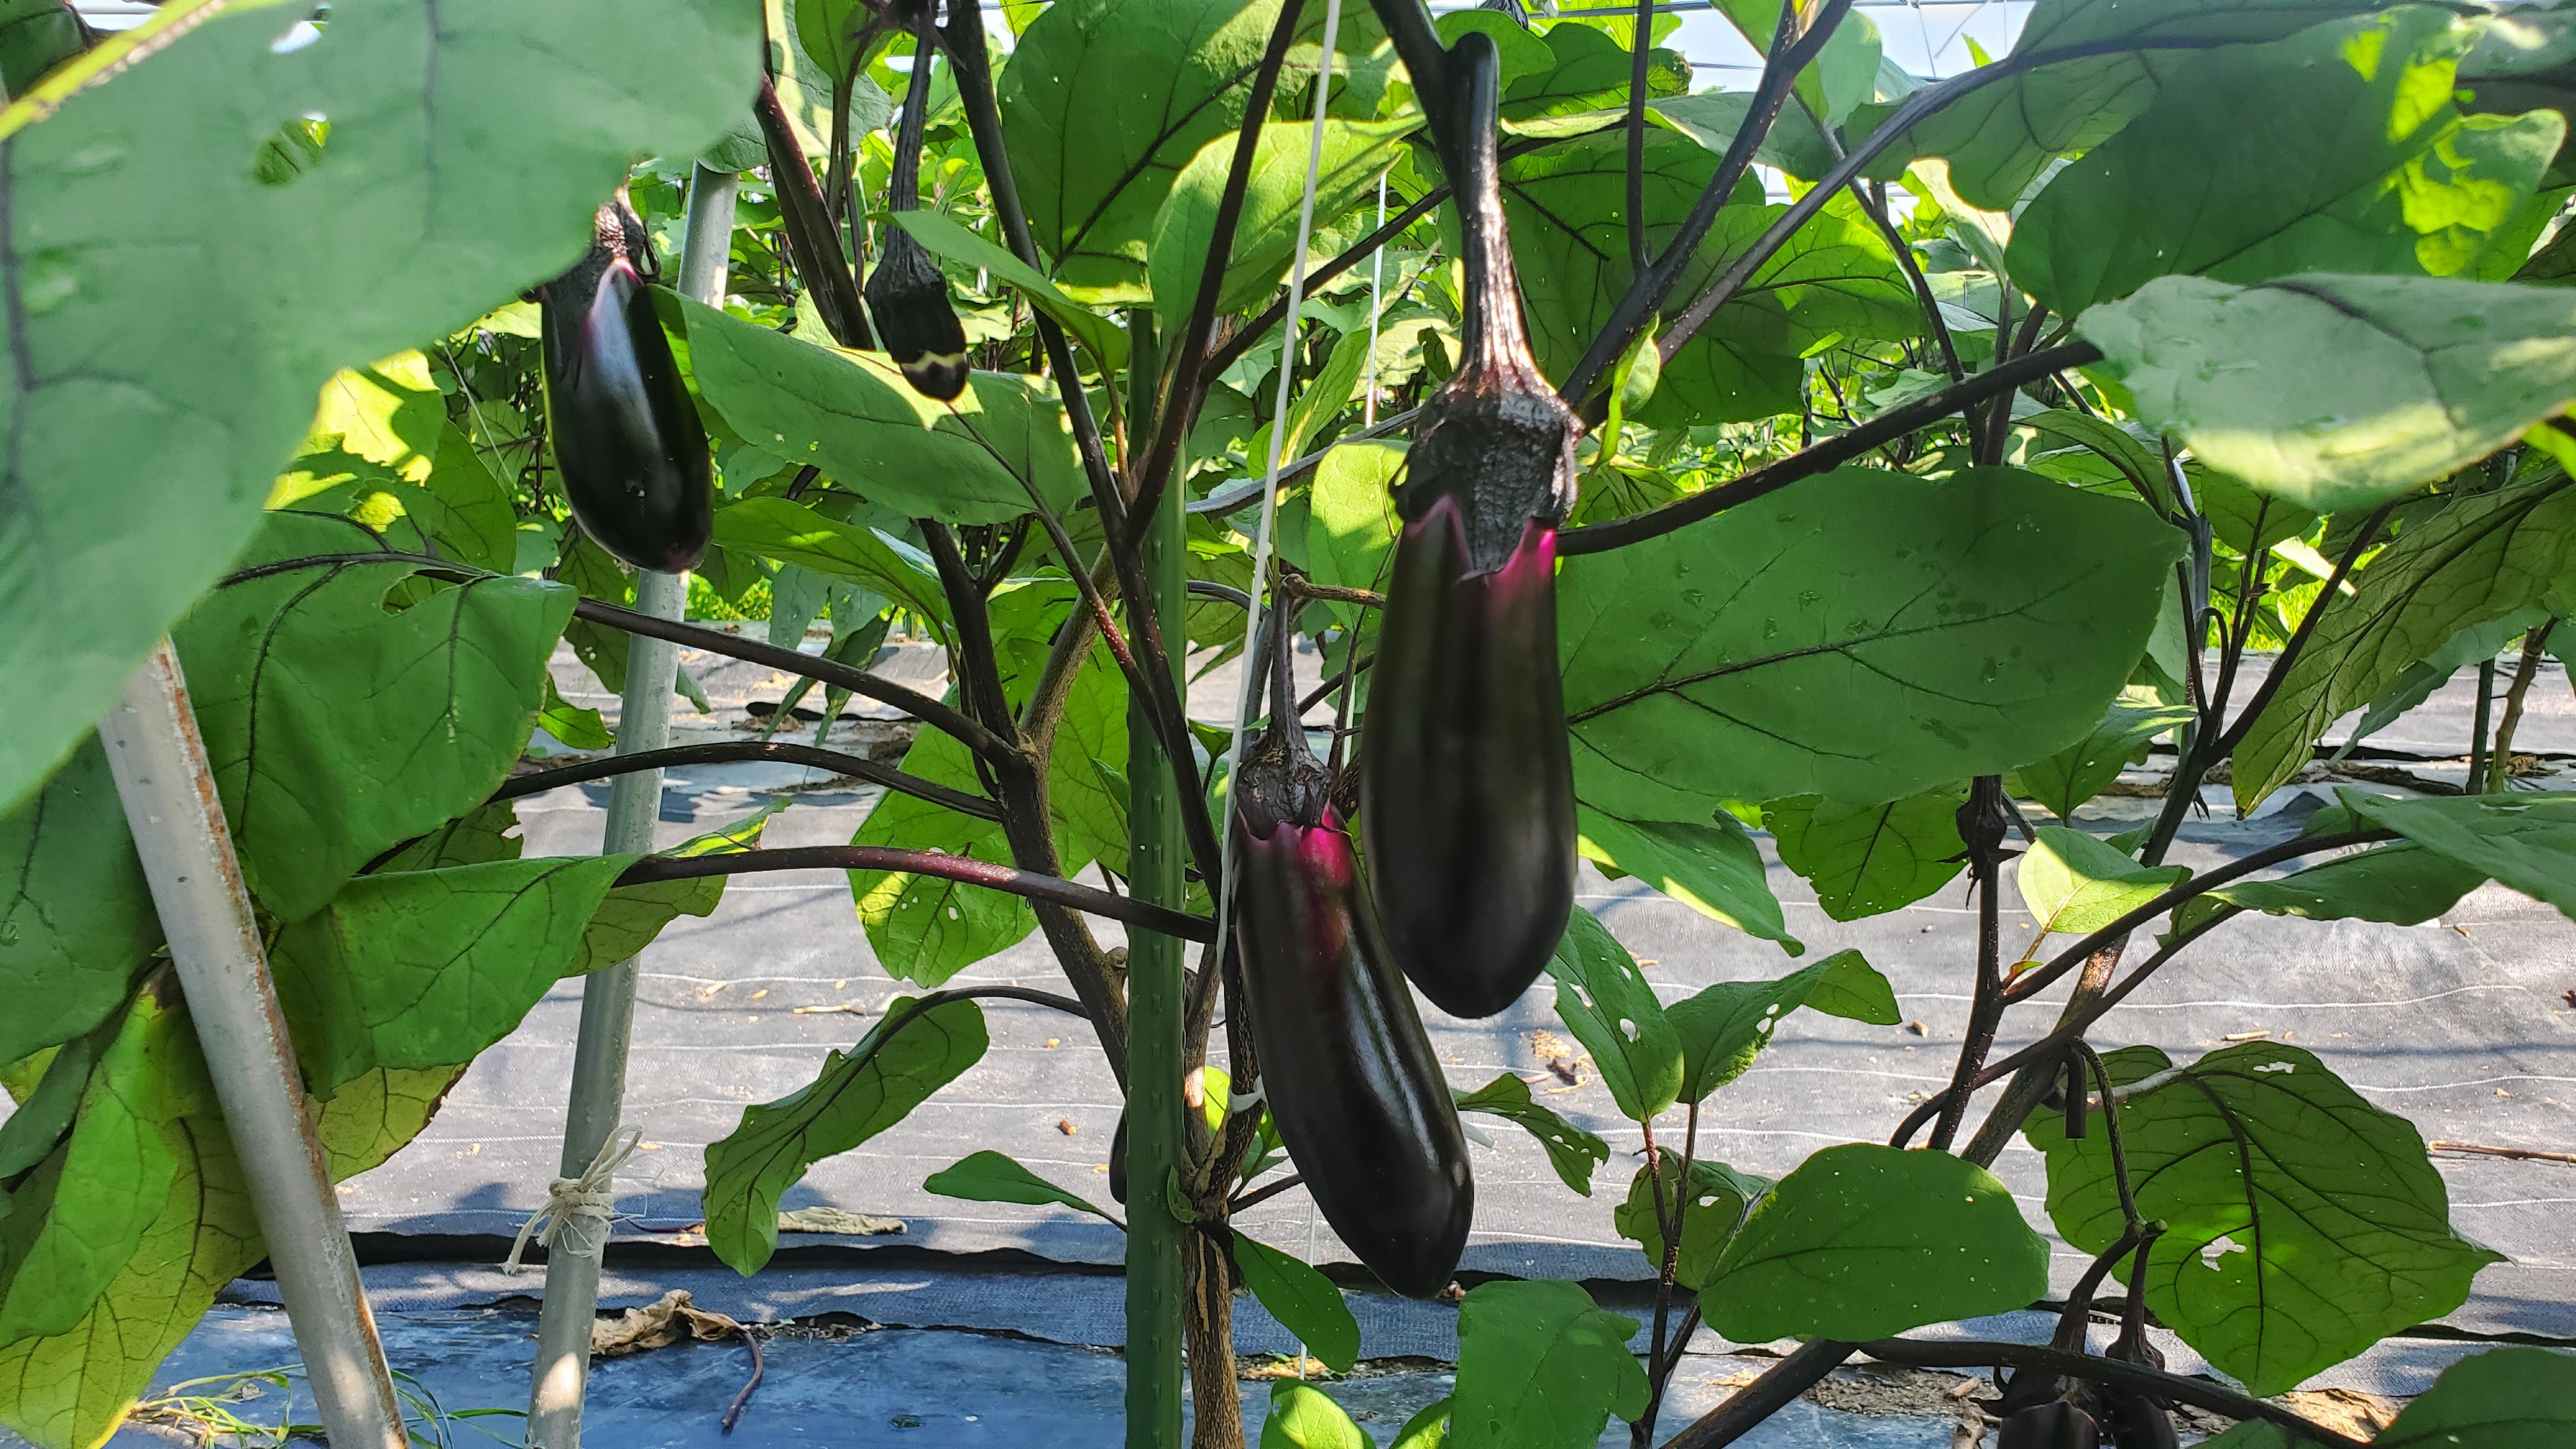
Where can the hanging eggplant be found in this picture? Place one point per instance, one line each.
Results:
(906, 293)
(2058, 1425)
(1352, 1083)
(1466, 785)
(627, 440)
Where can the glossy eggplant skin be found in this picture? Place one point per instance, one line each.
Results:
(2139, 1422)
(2059, 1425)
(627, 439)
(1466, 785)
(920, 328)
(1352, 1082)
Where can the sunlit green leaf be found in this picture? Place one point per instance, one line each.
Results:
(1867, 859)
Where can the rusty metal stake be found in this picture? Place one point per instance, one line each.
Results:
(159, 761)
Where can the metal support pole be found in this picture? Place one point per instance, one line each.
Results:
(1156, 1285)
(159, 761)
(608, 996)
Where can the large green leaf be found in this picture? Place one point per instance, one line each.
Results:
(1355, 154)
(68, 1390)
(2482, 557)
(2086, 768)
(1571, 1150)
(1712, 117)
(2303, 1224)
(336, 729)
(2373, 386)
(1567, 205)
(172, 317)
(1540, 1366)
(1725, 1026)
(1713, 868)
(1843, 75)
(1999, 137)
(630, 916)
(2336, 150)
(944, 238)
(1606, 1002)
(383, 451)
(1712, 1211)
(2525, 841)
(2403, 884)
(1860, 636)
(852, 415)
(1867, 859)
(1864, 1241)
(2504, 1398)
(904, 1058)
(1304, 1301)
(1105, 101)
(419, 968)
(76, 922)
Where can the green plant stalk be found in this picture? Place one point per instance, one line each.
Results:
(2500, 760)
(1157, 1292)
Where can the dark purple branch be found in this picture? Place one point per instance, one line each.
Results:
(1026, 884)
(737, 752)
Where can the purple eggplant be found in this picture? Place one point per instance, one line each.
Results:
(907, 293)
(627, 439)
(1466, 782)
(1352, 1082)
(2058, 1425)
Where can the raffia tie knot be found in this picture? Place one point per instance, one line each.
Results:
(578, 1210)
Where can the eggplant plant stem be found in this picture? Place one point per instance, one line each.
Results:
(1157, 1290)
(2478, 726)
(607, 1017)
(2500, 764)
(168, 791)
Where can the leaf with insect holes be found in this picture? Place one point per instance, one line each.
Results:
(2303, 1224)
(1571, 1150)
(1605, 1001)
(1712, 1212)
(150, 413)
(1725, 1026)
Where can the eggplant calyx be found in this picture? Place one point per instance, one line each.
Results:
(617, 235)
(1495, 436)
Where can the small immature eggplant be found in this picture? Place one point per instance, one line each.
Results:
(1466, 783)
(906, 292)
(2060, 1425)
(626, 436)
(1352, 1082)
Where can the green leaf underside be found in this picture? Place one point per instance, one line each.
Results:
(2373, 386)
(1539, 1364)
(993, 1177)
(2065, 780)
(1713, 868)
(2303, 1223)
(1784, 639)
(464, 163)
(1725, 1026)
(2402, 884)
(1571, 1150)
(904, 1058)
(1864, 1241)
(2527, 842)
(2073, 883)
(2482, 557)
(77, 923)
(1303, 1300)
(1864, 860)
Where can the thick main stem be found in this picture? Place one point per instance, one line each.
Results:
(2500, 768)
(1157, 1275)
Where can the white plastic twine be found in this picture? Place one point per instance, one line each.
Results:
(1252, 671)
(1377, 288)
(579, 1209)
